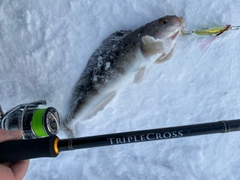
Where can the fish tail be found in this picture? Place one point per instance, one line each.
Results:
(67, 128)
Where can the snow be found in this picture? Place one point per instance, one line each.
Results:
(45, 45)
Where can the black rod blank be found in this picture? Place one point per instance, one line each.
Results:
(149, 135)
(16, 150)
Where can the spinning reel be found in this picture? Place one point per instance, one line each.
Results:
(33, 121)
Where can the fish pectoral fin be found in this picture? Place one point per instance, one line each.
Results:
(151, 46)
(100, 105)
(139, 75)
(164, 57)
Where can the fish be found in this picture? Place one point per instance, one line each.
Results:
(121, 59)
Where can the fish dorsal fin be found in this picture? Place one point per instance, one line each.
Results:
(139, 75)
(164, 58)
(100, 105)
(151, 46)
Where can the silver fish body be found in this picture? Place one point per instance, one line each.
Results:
(122, 58)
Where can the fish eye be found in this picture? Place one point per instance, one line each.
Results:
(163, 21)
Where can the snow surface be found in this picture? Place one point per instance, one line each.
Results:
(45, 45)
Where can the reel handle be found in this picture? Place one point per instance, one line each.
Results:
(16, 150)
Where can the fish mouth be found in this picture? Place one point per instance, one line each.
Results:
(175, 35)
(180, 26)
(181, 20)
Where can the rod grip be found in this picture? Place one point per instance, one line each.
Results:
(16, 150)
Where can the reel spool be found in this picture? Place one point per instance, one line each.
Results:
(34, 122)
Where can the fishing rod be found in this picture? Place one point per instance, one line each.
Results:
(51, 146)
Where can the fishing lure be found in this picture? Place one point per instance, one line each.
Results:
(216, 31)
(210, 31)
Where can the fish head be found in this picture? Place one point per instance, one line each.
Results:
(159, 36)
(167, 27)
